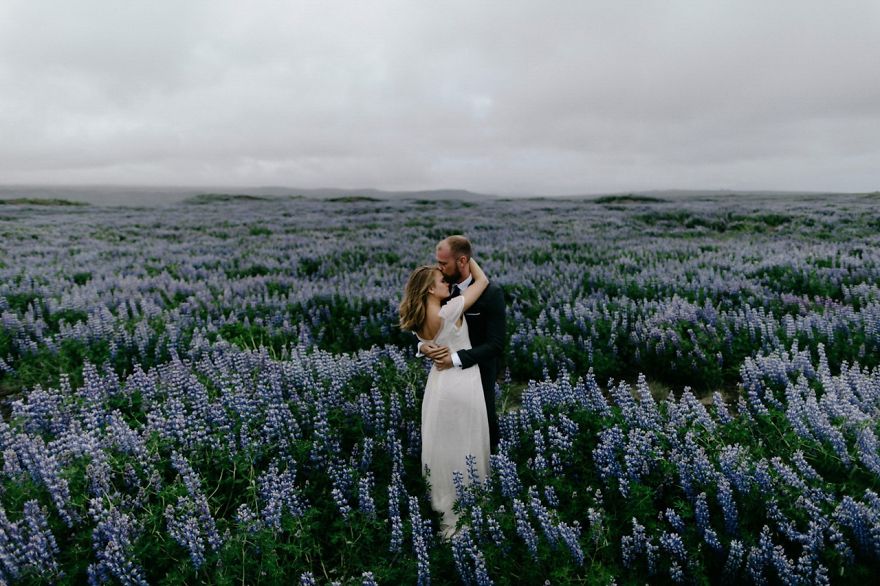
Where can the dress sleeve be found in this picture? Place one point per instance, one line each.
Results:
(452, 310)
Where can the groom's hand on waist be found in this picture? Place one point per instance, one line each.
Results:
(445, 362)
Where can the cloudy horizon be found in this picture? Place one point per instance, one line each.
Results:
(505, 98)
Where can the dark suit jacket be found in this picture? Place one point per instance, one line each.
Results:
(487, 328)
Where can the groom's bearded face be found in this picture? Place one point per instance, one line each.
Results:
(447, 265)
(455, 277)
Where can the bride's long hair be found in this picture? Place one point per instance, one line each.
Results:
(414, 307)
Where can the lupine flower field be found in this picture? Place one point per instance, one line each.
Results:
(216, 391)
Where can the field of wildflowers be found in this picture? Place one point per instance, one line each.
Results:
(217, 392)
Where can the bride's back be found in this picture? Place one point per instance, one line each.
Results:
(448, 332)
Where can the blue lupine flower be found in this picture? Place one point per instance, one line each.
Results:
(365, 498)
(524, 528)
(728, 506)
(421, 542)
(505, 470)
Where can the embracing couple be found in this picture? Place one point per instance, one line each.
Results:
(459, 319)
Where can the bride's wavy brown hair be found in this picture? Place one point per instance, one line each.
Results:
(414, 307)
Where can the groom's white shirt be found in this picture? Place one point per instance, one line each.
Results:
(462, 287)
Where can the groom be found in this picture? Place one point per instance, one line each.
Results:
(486, 326)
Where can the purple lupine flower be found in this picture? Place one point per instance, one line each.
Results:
(472, 473)
(701, 512)
(461, 495)
(183, 526)
(804, 467)
(279, 494)
(367, 454)
(760, 556)
(421, 542)
(505, 470)
(696, 411)
(365, 499)
(524, 528)
(460, 558)
(43, 466)
(674, 519)
(465, 552)
(820, 577)
(673, 544)
(395, 488)
(495, 532)
(728, 506)
(570, 535)
(28, 545)
(763, 479)
(788, 475)
(838, 541)
(784, 567)
(639, 453)
(542, 515)
(341, 502)
(247, 519)
(477, 521)
(597, 525)
(721, 411)
(539, 462)
(868, 449)
(862, 521)
(591, 395)
(550, 495)
(113, 540)
(735, 555)
(197, 499)
(605, 457)
(639, 544)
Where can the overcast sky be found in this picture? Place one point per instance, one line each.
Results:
(504, 96)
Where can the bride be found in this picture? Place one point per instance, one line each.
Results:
(454, 420)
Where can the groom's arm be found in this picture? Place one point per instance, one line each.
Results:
(496, 329)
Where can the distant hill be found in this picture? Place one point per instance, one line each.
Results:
(128, 195)
(678, 194)
(39, 201)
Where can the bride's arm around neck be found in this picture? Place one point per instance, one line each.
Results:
(473, 292)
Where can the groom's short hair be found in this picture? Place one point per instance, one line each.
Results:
(459, 246)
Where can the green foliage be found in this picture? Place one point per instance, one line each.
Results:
(799, 281)
(256, 270)
(308, 267)
(68, 316)
(259, 231)
(82, 278)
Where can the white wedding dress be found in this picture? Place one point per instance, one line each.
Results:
(454, 420)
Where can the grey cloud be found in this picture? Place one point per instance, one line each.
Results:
(516, 96)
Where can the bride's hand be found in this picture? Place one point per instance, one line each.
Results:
(476, 270)
(435, 352)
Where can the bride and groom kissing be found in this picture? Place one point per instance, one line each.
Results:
(459, 319)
